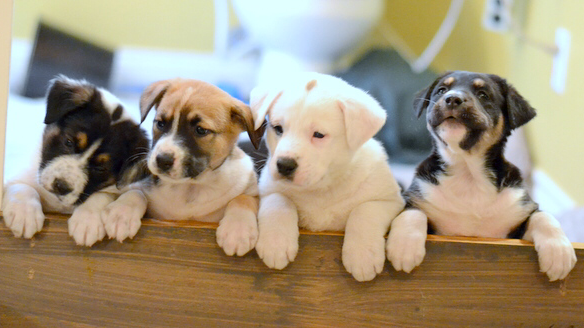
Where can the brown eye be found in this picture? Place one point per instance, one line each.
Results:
(318, 135)
(69, 143)
(441, 91)
(201, 131)
(483, 95)
(278, 129)
(160, 124)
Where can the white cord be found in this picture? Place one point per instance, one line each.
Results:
(426, 58)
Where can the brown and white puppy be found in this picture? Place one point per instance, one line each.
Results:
(90, 144)
(466, 187)
(199, 173)
(324, 172)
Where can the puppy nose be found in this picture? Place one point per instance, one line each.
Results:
(453, 101)
(286, 166)
(165, 161)
(61, 187)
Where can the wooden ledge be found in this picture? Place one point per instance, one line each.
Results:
(176, 275)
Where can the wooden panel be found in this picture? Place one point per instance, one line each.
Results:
(178, 276)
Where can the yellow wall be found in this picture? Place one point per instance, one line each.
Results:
(176, 24)
(555, 135)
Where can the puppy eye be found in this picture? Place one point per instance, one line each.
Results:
(201, 131)
(318, 135)
(278, 129)
(483, 95)
(160, 124)
(69, 143)
(441, 91)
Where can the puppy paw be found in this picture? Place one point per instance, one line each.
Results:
(237, 235)
(364, 259)
(277, 249)
(556, 257)
(121, 220)
(24, 217)
(86, 227)
(406, 251)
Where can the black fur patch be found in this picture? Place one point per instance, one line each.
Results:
(117, 114)
(198, 159)
(495, 98)
(125, 143)
(431, 168)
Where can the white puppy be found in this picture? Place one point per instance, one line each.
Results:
(324, 171)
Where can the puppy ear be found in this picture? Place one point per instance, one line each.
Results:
(64, 95)
(151, 97)
(422, 98)
(261, 100)
(518, 109)
(242, 113)
(364, 117)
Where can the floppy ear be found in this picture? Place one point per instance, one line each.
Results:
(242, 113)
(422, 98)
(518, 109)
(64, 95)
(261, 100)
(364, 117)
(151, 97)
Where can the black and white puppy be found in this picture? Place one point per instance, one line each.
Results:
(90, 145)
(466, 187)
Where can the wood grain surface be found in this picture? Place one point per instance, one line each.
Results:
(176, 276)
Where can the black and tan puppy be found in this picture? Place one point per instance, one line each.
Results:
(466, 187)
(199, 173)
(90, 145)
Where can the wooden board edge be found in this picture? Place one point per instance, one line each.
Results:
(434, 238)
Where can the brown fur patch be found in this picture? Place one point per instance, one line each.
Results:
(245, 203)
(310, 85)
(449, 80)
(103, 158)
(213, 108)
(478, 83)
(81, 140)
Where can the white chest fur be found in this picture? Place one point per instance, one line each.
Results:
(367, 178)
(466, 203)
(206, 199)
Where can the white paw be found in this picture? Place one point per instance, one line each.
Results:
(24, 217)
(85, 226)
(277, 248)
(406, 249)
(364, 259)
(121, 220)
(237, 235)
(556, 257)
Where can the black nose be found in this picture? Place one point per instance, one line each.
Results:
(165, 161)
(286, 166)
(453, 101)
(61, 187)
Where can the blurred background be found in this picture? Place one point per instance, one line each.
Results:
(391, 48)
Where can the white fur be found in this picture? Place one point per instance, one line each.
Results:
(343, 181)
(466, 203)
(85, 225)
(122, 219)
(208, 198)
(71, 169)
(28, 196)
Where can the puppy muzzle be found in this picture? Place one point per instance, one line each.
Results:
(457, 107)
(286, 167)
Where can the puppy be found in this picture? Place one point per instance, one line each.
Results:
(89, 145)
(324, 171)
(198, 171)
(466, 187)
